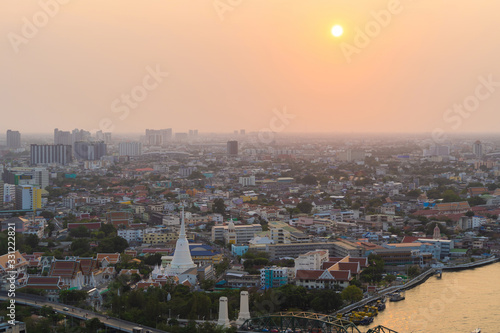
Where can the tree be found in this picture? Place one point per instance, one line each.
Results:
(352, 294)
(219, 206)
(373, 273)
(80, 246)
(93, 325)
(31, 240)
(112, 245)
(309, 180)
(108, 229)
(305, 207)
(470, 213)
(207, 284)
(196, 175)
(413, 193)
(476, 201)
(221, 267)
(81, 231)
(450, 196)
(326, 301)
(72, 296)
(390, 278)
(47, 215)
(414, 271)
(153, 259)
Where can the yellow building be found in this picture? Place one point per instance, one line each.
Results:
(163, 237)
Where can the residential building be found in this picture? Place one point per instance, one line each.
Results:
(232, 148)
(13, 139)
(28, 197)
(51, 154)
(130, 148)
(27, 176)
(247, 181)
(311, 260)
(235, 234)
(477, 149)
(274, 277)
(336, 248)
(89, 151)
(158, 137)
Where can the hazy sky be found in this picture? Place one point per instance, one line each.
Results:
(231, 62)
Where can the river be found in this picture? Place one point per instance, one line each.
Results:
(458, 303)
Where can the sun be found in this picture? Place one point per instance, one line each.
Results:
(337, 30)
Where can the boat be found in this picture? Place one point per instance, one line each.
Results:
(396, 297)
(366, 320)
(380, 306)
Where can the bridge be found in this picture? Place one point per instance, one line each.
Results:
(77, 313)
(305, 322)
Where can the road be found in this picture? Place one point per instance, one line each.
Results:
(38, 302)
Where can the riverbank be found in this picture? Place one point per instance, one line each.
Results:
(415, 282)
(460, 301)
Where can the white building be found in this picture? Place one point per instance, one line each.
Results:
(130, 148)
(247, 181)
(9, 193)
(131, 235)
(311, 260)
(235, 234)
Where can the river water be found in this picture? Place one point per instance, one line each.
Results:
(458, 303)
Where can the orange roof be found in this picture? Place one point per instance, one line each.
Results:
(20, 261)
(112, 258)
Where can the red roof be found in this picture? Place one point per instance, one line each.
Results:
(409, 239)
(312, 274)
(353, 267)
(64, 268)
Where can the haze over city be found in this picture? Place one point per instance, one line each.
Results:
(232, 65)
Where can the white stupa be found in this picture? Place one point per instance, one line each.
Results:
(182, 261)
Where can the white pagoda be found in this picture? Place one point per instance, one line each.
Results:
(182, 261)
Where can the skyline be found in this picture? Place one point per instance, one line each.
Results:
(225, 72)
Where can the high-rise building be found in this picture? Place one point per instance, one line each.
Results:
(27, 176)
(130, 148)
(181, 136)
(350, 155)
(69, 138)
(477, 149)
(106, 136)
(158, 137)
(232, 148)
(13, 139)
(9, 193)
(62, 137)
(28, 197)
(89, 151)
(51, 154)
(1, 194)
(247, 181)
(242, 132)
(437, 151)
(79, 135)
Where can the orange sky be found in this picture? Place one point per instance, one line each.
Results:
(229, 68)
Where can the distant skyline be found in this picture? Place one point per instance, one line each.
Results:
(220, 69)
